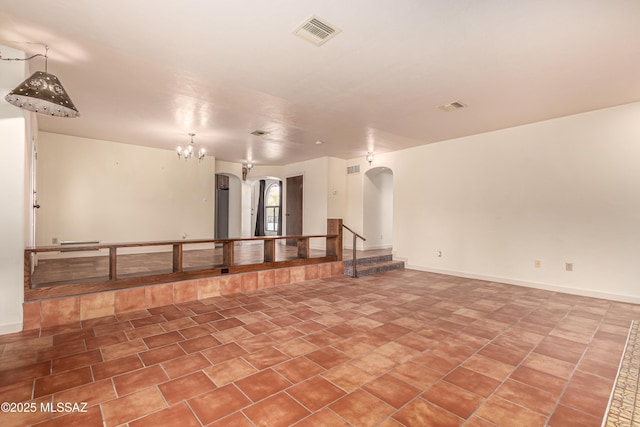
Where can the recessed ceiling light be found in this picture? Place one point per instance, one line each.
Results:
(318, 142)
(455, 105)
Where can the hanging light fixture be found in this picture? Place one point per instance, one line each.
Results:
(42, 93)
(246, 168)
(370, 157)
(189, 151)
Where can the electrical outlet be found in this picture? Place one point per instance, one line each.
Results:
(568, 266)
(54, 240)
(537, 263)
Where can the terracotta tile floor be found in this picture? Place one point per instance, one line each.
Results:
(404, 348)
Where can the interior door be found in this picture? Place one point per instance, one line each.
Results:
(294, 208)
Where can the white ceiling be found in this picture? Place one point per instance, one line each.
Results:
(148, 72)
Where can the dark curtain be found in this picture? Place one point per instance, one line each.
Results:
(280, 210)
(260, 210)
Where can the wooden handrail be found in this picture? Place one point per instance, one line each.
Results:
(94, 247)
(333, 252)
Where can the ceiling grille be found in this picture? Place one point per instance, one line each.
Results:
(316, 30)
(353, 169)
(455, 105)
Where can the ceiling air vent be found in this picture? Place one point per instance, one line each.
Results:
(258, 132)
(455, 105)
(316, 31)
(353, 169)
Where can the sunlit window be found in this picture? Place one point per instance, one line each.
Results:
(272, 207)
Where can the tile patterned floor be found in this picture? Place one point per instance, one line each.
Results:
(405, 348)
(624, 405)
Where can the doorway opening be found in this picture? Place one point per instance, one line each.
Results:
(294, 203)
(378, 208)
(228, 206)
(267, 207)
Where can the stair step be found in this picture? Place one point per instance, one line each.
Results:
(368, 269)
(368, 260)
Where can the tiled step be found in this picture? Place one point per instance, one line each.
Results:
(373, 265)
(368, 260)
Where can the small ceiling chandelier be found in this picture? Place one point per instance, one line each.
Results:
(246, 168)
(42, 93)
(189, 151)
(370, 157)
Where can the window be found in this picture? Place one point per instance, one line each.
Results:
(272, 207)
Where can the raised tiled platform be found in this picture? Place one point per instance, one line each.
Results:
(69, 310)
(624, 405)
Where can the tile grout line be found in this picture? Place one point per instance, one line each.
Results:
(515, 368)
(573, 371)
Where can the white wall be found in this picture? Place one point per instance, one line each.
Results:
(336, 188)
(100, 190)
(563, 190)
(354, 215)
(13, 166)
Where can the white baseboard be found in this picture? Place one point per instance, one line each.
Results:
(10, 328)
(544, 286)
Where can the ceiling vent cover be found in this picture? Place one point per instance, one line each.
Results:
(353, 169)
(316, 30)
(455, 105)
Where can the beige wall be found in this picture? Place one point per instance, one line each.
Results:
(100, 190)
(13, 191)
(563, 190)
(336, 188)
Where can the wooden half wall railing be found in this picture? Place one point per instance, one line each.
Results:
(333, 252)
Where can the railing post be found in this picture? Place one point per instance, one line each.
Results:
(303, 247)
(227, 253)
(177, 257)
(113, 264)
(269, 250)
(355, 264)
(334, 244)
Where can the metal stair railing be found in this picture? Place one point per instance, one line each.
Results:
(355, 237)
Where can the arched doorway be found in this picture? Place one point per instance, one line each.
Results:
(378, 208)
(228, 205)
